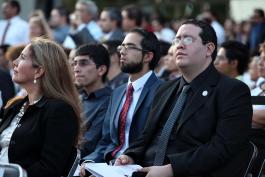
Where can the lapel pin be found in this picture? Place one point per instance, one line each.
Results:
(205, 93)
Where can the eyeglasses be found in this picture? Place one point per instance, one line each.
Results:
(127, 47)
(82, 62)
(185, 40)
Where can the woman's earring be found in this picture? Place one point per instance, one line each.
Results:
(35, 81)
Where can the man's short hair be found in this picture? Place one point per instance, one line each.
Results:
(235, 50)
(112, 46)
(259, 12)
(207, 33)
(114, 15)
(14, 4)
(63, 12)
(91, 7)
(134, 13)
(149, 43)
(98, 54)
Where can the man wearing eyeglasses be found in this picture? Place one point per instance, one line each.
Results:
(131, 102)
(91, 64)
(199, 123)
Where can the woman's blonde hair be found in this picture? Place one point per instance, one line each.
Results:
(43, 24)
(57, 81)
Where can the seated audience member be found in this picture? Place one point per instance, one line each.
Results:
(115, 76)
(40, 131)
(161, 29)
(132, 17)
(39, 27)
(7, 90)
(160, 67)
(59, 22)
(110, 23)
(13, 29)
(85, 28)
(170, 65)
(12, 54)
(198, 123)
(258, 119)
(131, 102)
(4, 65)
(232, 59)
(91, 64)
(253, 72)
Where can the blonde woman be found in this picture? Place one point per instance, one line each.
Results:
(39, 27)
(40, 131)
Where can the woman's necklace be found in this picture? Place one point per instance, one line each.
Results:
(23, 110)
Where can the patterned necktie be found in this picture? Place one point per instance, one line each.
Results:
(5, 32)
(164, 137)
(122, 119)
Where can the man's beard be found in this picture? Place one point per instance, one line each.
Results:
(132, 68)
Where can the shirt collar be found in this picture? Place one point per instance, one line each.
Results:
(96, 94)
(139, 83)
(197, 81)
(13, 19)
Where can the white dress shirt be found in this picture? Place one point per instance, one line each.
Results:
(138, 86)
(17, 33)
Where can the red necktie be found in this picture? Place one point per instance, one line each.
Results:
(122, 119)
(5, 32)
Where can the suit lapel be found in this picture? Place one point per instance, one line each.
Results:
(162, 101)
(145, 91)
(197, 101)
(200, 96)
(116, 103)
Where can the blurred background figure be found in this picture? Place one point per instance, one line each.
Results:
(257, 32)
(160, 67)
(161, 29)
(132, 17)
(4, 64)
(115, 76)
(11, 55)
(7, 90)
(171, 66)
(253, 71)
(110, 23)
(242, 31)
(59, 22)
(211, 17)
(229, 27)
(13, 30)
(39, 27)
(88, 31)
(232, 59)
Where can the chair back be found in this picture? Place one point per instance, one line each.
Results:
(252, 159)
(72, 163)
(11, 170)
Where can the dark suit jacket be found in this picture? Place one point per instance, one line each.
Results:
(210, 133)
(117, 35)
(43, 141)
(110, 136)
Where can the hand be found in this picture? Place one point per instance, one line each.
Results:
(82, 170)
(124, 160)
(158, 171)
